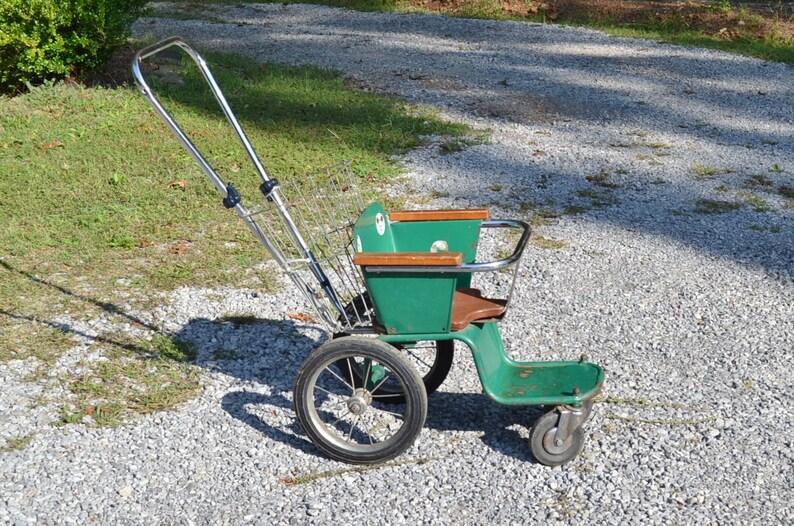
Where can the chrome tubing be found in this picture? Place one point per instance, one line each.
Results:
(489, 266)
(143, 86)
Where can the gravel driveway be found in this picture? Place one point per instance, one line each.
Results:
(684, 300)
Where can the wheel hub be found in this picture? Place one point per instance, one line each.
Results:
(359, 402)
(554, 445)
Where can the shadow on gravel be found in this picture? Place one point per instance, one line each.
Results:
(712, 102)
(264, 356)
(728, 215)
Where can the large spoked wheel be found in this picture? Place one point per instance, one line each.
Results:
(350, 422)
(433, 359)
(546, 448)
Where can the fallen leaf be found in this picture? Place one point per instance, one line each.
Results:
(143, 243)
(181, 183)
(180, 248)
(90, 411)
(52, 145)
(301, 317)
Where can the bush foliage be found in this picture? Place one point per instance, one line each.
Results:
(52, 39)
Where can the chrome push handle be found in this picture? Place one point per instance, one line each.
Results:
(231, 198)
(140, 80)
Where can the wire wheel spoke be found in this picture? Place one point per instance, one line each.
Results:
(352, 428)
(383, 380)
(328, 368)
(340, 418)
(417, 357)
(369, 434)
(398, 415)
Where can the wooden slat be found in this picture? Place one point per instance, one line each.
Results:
(423, 259)
(439, 215)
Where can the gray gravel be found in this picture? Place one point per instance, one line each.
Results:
(690, 314)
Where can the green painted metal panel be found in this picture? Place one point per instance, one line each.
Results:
(405, 303)
(368, 236)
(419, 236)
(460, 236)
(411, 303)
(520, 383)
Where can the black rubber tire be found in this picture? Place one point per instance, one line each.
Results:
(439, 369)
(330, 439)
(544, 450)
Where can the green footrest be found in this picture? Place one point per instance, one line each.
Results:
(545, 383)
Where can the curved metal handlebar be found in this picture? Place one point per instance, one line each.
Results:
(489, 266)
(272, 195)
(147, 52)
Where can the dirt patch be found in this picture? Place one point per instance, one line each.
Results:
(722, 20)
(524, 107)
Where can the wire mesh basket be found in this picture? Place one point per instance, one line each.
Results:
(323, 207)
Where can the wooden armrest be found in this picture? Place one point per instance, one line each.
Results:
(421, 259)
(439, 215)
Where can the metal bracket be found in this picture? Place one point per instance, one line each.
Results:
(570, 419)
(232, 198)
(267, 188)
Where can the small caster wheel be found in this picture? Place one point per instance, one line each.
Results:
(545, 444)
(349, 421)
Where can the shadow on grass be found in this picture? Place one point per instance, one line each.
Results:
(103, 305)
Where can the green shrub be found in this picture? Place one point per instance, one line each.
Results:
(53, 39)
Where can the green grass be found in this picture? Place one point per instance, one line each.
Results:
(547, 243)
(154, 377)
(459, 143)
(715, 206)
(573, 210)
(774, 229)
(772, 48)
(17, 443)
(786, 191)
(96, 188)
(704, 172)
(759, 181)
(311, 477)
(756, 202)
(101, 208)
